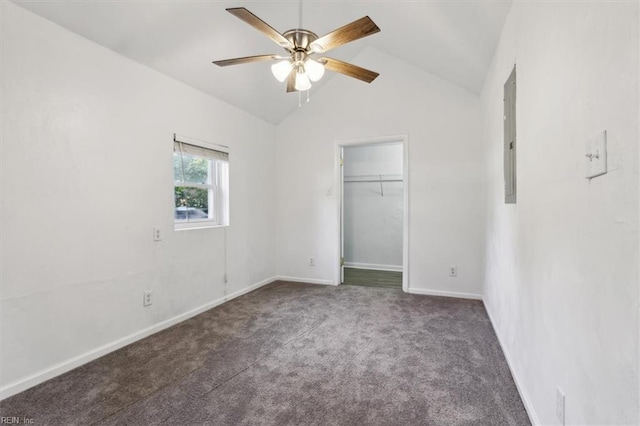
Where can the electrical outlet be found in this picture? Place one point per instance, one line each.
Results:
(157, 235)
(453, 271)
(560, 405)
(146, 301)
(312, 261)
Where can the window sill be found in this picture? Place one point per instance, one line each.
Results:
(196, 225)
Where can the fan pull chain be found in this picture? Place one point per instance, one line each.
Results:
(308, 96)
(299, 99)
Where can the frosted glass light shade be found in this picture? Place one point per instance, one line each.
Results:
(314, 69)
(281, 70)
(302, 81)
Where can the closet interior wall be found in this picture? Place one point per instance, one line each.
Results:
(373, 206)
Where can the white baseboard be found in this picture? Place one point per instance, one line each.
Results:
(305, 280)
(528, 406)
(455, 294)
(61, 368)
(250, 288)
(373, 267)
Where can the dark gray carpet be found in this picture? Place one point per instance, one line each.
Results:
(371, 278)
(291, 354)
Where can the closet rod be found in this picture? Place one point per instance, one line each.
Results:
(374, 180)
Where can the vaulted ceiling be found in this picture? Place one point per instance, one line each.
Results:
(453, 40)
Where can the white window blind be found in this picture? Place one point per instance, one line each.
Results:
(199, 151)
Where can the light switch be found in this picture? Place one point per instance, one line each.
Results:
(596, 155)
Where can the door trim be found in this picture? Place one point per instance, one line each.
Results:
(339, 145)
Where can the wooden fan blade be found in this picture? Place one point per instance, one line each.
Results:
(260, 25)
(246, 60)
(291, 81)
(357, 29)
(349, 69)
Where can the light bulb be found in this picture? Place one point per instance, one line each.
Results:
(281, 70)
(314, 69)
(302, 81)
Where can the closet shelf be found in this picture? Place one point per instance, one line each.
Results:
(373, 178)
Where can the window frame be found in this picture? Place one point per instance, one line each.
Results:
(217, 189)
(510, 139)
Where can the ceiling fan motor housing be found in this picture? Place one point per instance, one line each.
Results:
(301, 39)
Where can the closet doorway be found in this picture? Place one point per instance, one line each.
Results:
(374, 212)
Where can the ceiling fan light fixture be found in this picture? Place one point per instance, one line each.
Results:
(302, 81)
(281, 70)
(314, 69)
(297, 70)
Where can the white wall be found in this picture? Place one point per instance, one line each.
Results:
(562, 274)
(373, 212)
(445, 173)
(86, 174)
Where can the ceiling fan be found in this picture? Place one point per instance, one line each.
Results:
(297, 66)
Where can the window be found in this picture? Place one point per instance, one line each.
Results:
(201, 185)
(510, 139)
